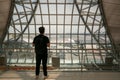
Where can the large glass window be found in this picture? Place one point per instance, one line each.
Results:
(75, 28)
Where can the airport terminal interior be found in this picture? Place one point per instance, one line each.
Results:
(84, 39)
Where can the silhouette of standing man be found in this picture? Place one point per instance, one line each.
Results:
(41, 42)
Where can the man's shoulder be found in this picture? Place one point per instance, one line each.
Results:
(45, 36)
(38, 36)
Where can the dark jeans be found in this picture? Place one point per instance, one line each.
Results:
(43, 59)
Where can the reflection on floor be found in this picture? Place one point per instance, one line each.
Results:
(59, 75)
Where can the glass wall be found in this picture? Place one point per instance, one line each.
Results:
(75, 28)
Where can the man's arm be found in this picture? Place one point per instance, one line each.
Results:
(33, 44)
(48, 44)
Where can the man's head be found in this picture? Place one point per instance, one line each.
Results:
(41, 30)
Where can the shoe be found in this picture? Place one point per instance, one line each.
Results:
(45, 77)
(37, 77)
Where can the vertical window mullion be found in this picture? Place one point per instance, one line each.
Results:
(49, 25)
(64, 31)
(71, 34)
(40, 12)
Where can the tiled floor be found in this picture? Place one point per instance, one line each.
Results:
(60, 75)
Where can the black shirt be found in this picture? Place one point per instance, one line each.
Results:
(40, 43)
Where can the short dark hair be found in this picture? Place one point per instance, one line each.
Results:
(41, 29)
